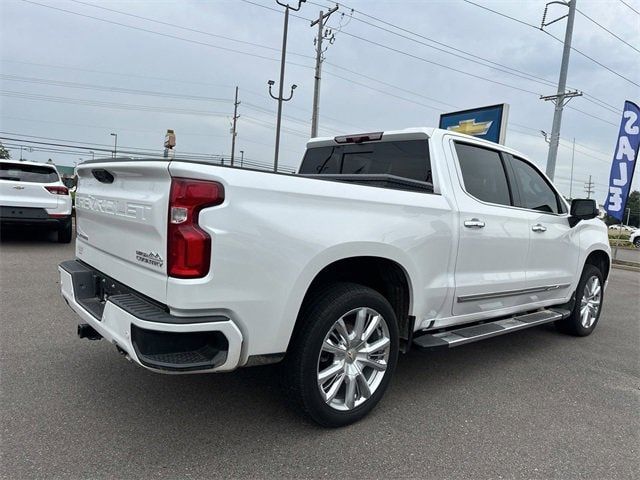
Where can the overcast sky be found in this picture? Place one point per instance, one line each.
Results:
(73, 78)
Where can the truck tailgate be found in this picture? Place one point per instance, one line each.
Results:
(121, 221)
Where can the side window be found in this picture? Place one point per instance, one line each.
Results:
(483, 174)
(535, 192)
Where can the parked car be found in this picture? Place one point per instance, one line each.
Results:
(383, 242)
(32, 194)
(634, 238)
(623, 228)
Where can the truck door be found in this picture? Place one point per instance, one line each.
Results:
(552, 261)
(490, 271)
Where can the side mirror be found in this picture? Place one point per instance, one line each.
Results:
(583, 209)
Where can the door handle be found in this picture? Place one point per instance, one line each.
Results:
(474, 223)
(538, 227)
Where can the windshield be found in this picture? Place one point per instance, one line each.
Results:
(28, 173)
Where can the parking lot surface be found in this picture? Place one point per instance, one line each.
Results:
(533, 404)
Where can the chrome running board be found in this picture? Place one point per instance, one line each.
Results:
(474, 333)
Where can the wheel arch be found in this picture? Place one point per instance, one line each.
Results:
(599, 259)
(385, 275)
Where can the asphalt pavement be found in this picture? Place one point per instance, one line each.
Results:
(532, 404)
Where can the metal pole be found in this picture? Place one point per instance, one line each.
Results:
(280, 87)
(573, 153)
(115, 144)
(316, 85)
(562, 85)
(589, 187)
(235, 118)
(241, 158)
(280, 98)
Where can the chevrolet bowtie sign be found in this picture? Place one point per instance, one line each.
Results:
(471, 127)
(489, 123)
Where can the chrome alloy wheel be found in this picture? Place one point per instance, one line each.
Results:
(590, 303)
(353, 358)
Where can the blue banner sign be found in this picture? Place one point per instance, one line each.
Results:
(489, 123)
(624, 161)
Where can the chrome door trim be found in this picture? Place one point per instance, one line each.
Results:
(509, 293)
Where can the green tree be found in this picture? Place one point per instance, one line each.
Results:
(633, 204)
(4, 153)
(632, 209)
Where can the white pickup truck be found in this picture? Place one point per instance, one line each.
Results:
(382, 242)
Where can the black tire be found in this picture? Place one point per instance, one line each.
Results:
(573, 324)
(65, 232)
(636, 242)
(303, 360)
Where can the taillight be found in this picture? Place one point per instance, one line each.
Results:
(58, 190)
(188, 245)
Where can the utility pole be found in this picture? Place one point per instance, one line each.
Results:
(280, 97)
(562, 97)
(573, 154)
(328, 34)
(233, 130)
(589, 187)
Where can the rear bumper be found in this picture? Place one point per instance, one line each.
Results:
(149, 335)
(32, 216)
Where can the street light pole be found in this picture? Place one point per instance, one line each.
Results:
(280, 97)
(115, 144)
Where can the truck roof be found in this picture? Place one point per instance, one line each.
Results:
(414, 133)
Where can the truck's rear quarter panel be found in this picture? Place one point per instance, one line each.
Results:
(274, 233)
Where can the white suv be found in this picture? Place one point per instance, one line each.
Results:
(634, 238)
(33, 194)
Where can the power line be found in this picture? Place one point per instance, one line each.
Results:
(189, 29)
(605, 29)
(629, 6)
(254, 55)
(591, 115)
(555, 38)
(118, 106)
(410, 55)
(86, 86)
(175, 37)
(112, 128)
(176, 80)
(520, 73)
(119, 74)
(85, 146)
(501, 14)
(441, 65)
(475, 58)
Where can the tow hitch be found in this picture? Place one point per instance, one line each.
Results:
(87, 331)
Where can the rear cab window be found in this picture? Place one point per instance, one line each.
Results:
(28, 173)
(403, 158)
(484, 174)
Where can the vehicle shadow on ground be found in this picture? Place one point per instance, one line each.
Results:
(252, 400)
